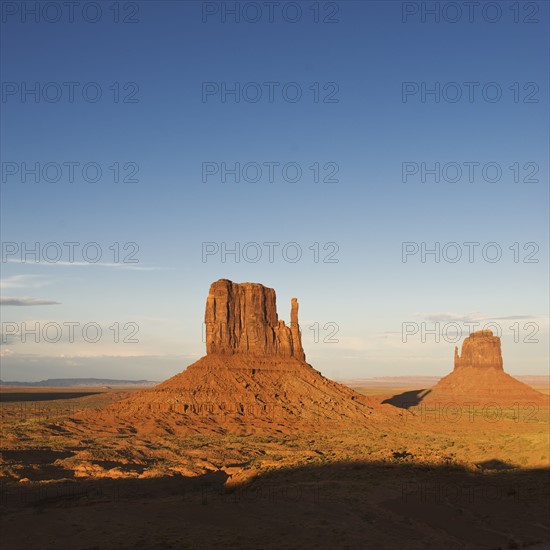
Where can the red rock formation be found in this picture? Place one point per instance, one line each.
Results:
(298, 351)
(479, 377)
(480, 349)
(254, 378)
(242, 318)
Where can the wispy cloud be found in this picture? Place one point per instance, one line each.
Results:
(24, 281)
(24, 301)
(457, 317)
(516, 317)
(474, 317)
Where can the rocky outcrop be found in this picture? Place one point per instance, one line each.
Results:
(254, 379)
(481, 349)
(478, 377)
(241, 318)
(298, 351)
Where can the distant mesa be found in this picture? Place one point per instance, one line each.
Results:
(78, 382)
(479, 375)
(254, 378)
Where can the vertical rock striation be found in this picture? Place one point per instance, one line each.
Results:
(480, 349)
(241, 318)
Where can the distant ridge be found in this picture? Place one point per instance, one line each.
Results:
(420, 381)
(68, 382)
(388, 381)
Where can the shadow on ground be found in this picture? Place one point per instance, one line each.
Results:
(407, 399)
(351, 505)
(8, 397)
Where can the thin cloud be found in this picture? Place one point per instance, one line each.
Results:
(512, 317)
(24, 281)
(24, 301)
(475, 317)
(457, 317)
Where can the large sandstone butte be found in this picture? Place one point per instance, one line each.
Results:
(254, 378)
(479, 376)
(242, 318)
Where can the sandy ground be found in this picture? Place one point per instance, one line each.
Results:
(410, 479)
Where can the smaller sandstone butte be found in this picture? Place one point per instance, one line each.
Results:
(242, 318)
(481, 349)
(479, 376)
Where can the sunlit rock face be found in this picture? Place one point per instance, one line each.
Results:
(241, 318)
(478, 377)
(481, 349)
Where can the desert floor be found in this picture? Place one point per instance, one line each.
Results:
(416, 478)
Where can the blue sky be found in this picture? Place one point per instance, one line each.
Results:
(161, 129)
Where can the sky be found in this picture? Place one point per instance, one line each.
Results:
(142, 142)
